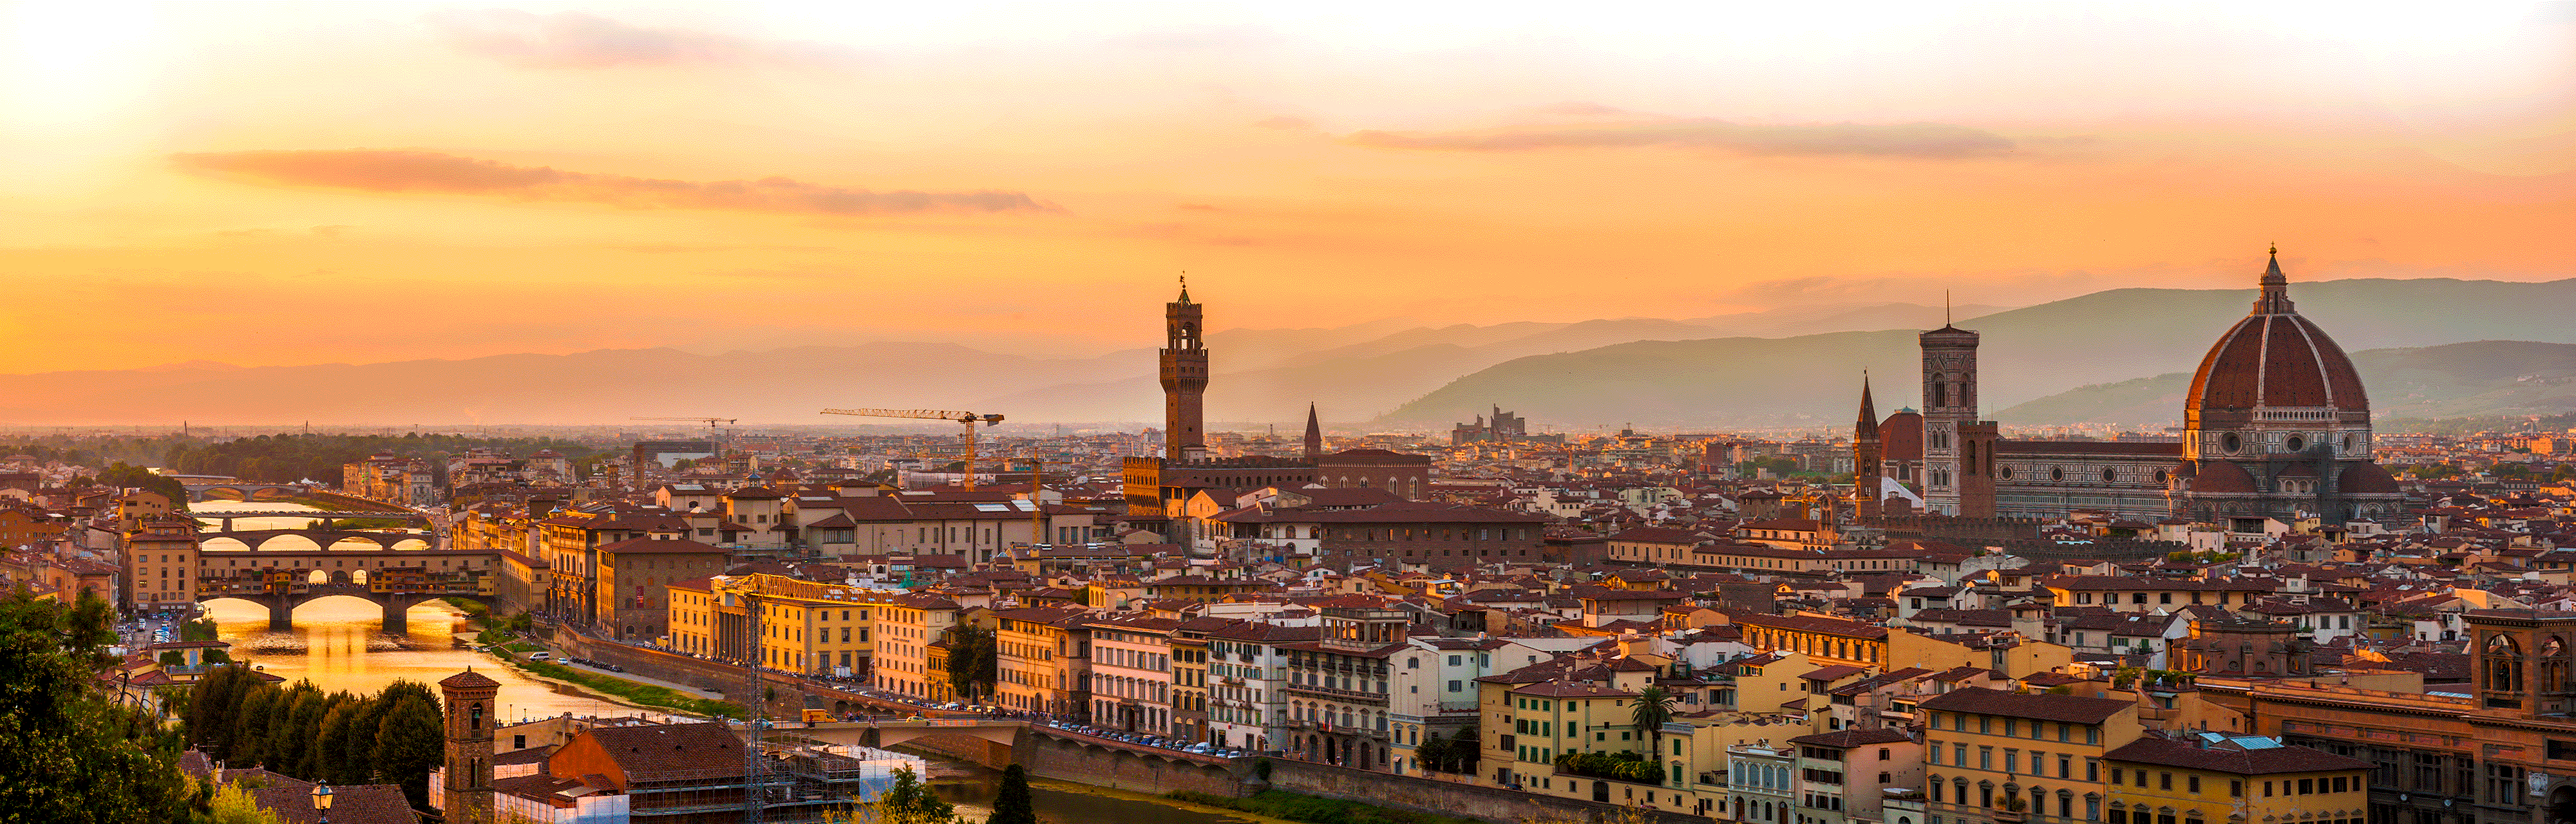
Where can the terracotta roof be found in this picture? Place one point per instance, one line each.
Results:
(2067, 708)
(2231, 760)
(2220, 476)
(2274, 357)
(1900, 437)
(352, 804)
(658, 752)
(682, 546)
(469, 680)
(1854, 738)
(2366, 477)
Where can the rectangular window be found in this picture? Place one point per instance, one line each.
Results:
(2236, 789)
(1985, 758)
(2307, 786)
(2191, 784)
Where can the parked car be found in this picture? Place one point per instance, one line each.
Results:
(541, 656)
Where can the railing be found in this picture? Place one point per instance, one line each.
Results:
(1333, 692)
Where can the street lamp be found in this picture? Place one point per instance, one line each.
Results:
(322, 801)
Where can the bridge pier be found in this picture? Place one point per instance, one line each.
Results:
(397, 617)
(281, 614)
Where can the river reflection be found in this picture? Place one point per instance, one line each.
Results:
(337, 642)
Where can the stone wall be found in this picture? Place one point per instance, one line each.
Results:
(1404, 792)
(732, 681)
(1081, 762)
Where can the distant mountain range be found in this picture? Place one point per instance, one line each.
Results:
(1798, 366)
(2481, 378)
(2026, 354)
(1354, 372)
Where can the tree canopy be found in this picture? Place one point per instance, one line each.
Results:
(75, 754)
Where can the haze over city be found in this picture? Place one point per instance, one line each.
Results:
(1313, 413)
(284, 184)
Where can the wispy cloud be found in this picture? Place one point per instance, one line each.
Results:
(413, 171)
(573, 40)
(1918, 140)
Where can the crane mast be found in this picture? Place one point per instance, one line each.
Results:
(715, 437)
(967, 418)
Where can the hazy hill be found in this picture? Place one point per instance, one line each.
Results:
(2026, 354)
(1361, 380)
(2456, 380)
(1603, 372)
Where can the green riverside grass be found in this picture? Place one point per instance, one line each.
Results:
(646, 694)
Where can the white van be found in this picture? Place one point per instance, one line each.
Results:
(541, 656)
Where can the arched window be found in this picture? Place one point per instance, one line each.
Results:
(2504, 663)
(2553, 665)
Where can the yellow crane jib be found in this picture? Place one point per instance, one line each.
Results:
(967, 418)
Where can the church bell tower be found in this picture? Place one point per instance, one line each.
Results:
(467, 698)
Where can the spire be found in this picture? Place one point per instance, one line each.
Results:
(2275, 299)
(1866, 428)
(1185, 287)
(1314, 434)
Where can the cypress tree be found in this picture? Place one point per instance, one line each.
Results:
(1012, 805)
(250, 728)
(409, 742)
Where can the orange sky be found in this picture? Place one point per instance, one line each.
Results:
(354, 182)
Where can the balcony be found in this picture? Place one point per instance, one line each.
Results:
(1337, 694)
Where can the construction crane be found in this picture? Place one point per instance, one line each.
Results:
(715, 439)
(967, 418)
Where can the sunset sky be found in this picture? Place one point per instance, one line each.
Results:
(269, 184)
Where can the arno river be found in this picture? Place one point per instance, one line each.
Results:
(336, 644)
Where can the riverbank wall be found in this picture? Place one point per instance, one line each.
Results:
(1082, 759)
(1423, 795)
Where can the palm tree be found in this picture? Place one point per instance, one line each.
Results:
(1654, 708)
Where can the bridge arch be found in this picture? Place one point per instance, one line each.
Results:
(263, 605)
(322, 539)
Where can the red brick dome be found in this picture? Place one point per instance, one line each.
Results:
(2367, 477)
(2219, 476)
(2275, 358)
